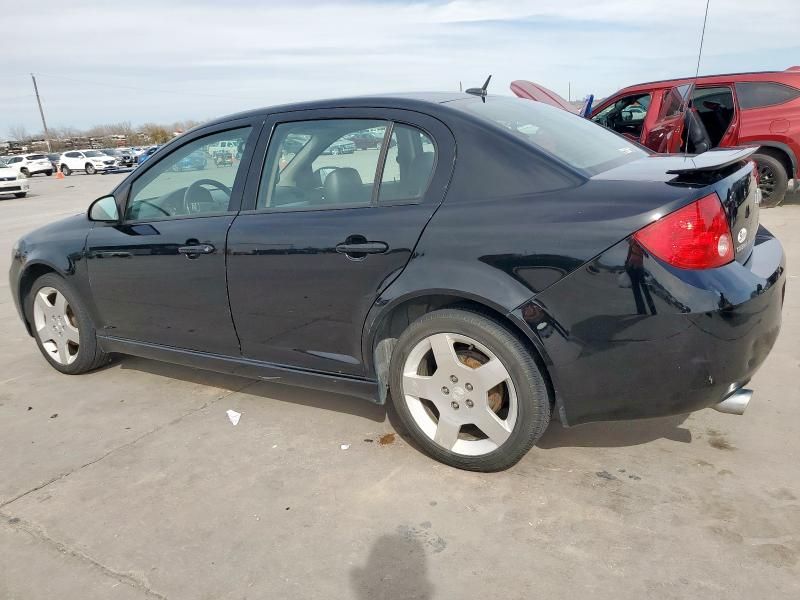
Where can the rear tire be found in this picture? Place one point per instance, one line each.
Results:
(773, 179)
(455, 411)
(90, 170)
(48, 173)
(66, 171)
(25, 172)
(57, 317)
(20, 194)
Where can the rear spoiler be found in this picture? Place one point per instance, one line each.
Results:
(713, 160)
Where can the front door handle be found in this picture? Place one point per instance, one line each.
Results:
(196, 250)
(361, 249)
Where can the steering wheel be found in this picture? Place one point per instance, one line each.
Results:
(197, 184)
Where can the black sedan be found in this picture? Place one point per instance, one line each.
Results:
(497, 262)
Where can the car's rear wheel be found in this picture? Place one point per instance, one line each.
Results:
(20, 194)
(63, 330)
(48, 173)
(468, 390)
(772, 179)
(25, 172)
(66, 171)
(90, 170)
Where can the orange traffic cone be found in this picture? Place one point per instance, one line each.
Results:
(59, 174)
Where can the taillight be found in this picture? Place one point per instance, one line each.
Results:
(695, 237)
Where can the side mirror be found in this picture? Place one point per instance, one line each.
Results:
(104, 210)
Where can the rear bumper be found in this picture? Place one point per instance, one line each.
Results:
(623, 342)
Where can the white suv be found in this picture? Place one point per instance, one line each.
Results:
(11, 182)
(90, 161)
(30, 164)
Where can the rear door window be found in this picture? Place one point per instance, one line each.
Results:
(410, 161)
(313, 165)
(755, 94)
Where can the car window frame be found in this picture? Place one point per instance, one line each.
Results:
(392, 116)
(123, 191)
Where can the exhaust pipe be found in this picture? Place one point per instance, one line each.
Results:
(735, 403)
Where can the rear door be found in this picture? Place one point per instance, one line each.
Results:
(328, 227)
(664, 135)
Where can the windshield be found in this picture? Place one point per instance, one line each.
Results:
(92, 153)
(570, 138)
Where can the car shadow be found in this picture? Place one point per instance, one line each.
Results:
(265, 389)
(611, 434)
(615, 434)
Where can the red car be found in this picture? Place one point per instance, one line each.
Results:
(738, 109)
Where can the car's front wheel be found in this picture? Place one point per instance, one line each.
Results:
(66, 171)
(90, 170)
(468, 390)
(63, 330)
(20, 194)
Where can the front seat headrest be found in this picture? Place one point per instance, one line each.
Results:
(419, 173)
(343, 186)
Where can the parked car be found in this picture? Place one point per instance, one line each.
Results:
(30, 164)
(123, 159)
(195, 161)
(547, 267)
(365, 140)
(737, 109)
(342, 146)
(54, 159)
(88, 161)
(11, 182)
(145, 154)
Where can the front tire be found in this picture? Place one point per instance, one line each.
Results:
(61, 326)
(66, 171)
(90, 170)
(20, 194)
(48, 173)
(468, 390)
(772, 179)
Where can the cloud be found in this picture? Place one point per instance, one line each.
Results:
(173, 60)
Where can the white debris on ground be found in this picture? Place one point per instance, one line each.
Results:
(233, 416)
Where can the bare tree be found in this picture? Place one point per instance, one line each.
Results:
(18, 133)
(157, 133)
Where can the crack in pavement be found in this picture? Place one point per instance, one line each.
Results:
(39, 534)
(127, 444)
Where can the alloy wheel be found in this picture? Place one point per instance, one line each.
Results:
(460, 394)
(56, 325)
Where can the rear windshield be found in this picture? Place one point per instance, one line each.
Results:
(35, 156)
(576, 141)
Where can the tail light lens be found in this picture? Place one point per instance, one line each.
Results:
(695, 237)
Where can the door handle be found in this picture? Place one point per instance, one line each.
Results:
(355, 249)
(196, 250)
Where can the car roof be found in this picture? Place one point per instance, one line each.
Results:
(409, 101)
(790, 76)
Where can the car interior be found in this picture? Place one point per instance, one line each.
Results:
(302, 174)
(626, 115)
(715, 110)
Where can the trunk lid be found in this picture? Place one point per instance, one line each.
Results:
(729, 173)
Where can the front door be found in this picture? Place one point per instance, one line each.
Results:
(331, 227)
(159, 275)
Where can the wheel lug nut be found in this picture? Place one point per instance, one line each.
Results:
(469, 387)
(453, 378)
(445, 391)
(470, 404)
(454, 405)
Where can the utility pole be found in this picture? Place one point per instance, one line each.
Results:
(41, 112)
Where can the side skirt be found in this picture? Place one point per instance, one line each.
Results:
(244, 367)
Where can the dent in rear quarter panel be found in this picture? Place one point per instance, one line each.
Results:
(630, 337)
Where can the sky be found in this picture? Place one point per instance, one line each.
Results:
(169, 60)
